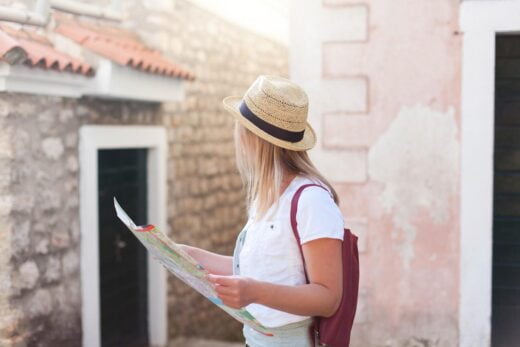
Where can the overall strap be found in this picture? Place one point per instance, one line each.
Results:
(294, 223)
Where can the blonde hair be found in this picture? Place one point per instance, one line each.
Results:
(263, 166)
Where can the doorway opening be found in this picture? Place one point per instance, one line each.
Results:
(122, 259)
(123, 288)
(506, 194)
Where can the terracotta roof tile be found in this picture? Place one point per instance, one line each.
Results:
(120, 46)
(10, 50)
(29, 48)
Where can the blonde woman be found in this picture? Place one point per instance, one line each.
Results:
(266, 272)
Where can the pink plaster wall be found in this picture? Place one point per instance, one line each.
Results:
(410, 269)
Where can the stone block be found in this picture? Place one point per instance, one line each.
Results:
(52, 147)
(23, 203)
(39, 303)
(53, 269)
(20, 238)
(4, 108)
(60, 238)
(66, 115)
(70, 262)
(42, 246)
(72, 164)
(6, 150)
(27, 275)
(348, 23)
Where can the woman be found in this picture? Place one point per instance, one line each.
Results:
(266, 271)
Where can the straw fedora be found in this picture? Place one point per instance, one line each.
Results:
(275, 109)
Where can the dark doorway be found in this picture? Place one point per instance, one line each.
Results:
(506, 191)
(122, 259)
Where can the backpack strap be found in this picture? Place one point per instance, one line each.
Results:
(294, 223)
(314, 328)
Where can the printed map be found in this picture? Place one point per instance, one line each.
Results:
(183, 266)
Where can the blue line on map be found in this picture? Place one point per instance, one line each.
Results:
(216, 301)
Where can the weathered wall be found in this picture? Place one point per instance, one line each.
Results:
(383, 78)
(40, 293)
(44, 284)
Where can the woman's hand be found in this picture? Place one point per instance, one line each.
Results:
(215, 263)
(235, 291)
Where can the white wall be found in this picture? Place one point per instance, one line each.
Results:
(269, 18)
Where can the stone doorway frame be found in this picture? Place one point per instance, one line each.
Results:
(480, 22)
(92, 139)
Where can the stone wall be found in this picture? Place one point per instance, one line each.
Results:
(40, 297)
(206, 207)
(42, 204)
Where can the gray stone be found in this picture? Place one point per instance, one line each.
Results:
(20, 238)
(39, 303)
(53, 271)
(70, 263)
(50, 200)
(40, 227)
(66, 115)
(52, 147)
(60, 237)
(42, 246)
(75, 230)
(72, 164)
(6, 204)
(23, 202)
(82, 111)
(4, 108)
(71, 140)
(5, 141)
(28, 275)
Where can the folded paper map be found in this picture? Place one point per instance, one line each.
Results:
(183, 266)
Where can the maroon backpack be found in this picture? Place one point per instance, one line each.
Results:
(334, 331)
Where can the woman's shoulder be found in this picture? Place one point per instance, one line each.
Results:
(318, 214)
(320, 191)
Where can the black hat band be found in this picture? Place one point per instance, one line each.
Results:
(279, 133)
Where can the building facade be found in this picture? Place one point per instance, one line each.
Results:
(171, 162)
(415, 104)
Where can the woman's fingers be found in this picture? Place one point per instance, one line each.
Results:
(223, 280)
(231, 301)
(232, 290)
(226, 290)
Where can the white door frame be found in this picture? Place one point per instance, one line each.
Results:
(480, 21)
(93, 138)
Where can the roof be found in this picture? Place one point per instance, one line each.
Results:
(121, 46)
(26, 46)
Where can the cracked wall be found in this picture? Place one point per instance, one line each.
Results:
(383, 79)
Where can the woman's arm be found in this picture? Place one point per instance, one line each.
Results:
(321, 297)
(215, 263)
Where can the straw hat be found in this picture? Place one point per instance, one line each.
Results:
(275, 109)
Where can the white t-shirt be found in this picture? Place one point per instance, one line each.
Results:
(270, 252)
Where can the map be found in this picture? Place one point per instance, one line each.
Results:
(183, 266)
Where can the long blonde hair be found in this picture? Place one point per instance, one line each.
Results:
(263, 167)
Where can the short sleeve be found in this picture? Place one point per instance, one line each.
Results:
(318, 216)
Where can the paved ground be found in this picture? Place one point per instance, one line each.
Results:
(183, 342)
